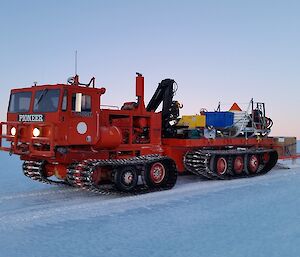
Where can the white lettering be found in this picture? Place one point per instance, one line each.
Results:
(31, 118)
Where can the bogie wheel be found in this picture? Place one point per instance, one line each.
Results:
(126, 178)
(238, 165)
(253, 163)
(221, 165)
(156, 173)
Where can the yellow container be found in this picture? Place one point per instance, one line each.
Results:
(192, 121)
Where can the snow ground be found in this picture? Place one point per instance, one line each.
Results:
(245, 217)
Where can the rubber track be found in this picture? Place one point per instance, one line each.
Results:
(80, 174)
(200, 162)
(35, 171)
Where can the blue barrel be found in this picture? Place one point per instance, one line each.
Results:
(219, 119)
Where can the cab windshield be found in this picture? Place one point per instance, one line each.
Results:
(46, 100)
(19, 102)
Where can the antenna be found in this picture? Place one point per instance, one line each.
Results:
(75, 62)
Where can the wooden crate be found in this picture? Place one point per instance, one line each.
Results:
(286, 146)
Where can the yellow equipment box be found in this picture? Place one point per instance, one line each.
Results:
(192, 121)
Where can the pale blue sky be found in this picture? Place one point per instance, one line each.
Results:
(216, 50)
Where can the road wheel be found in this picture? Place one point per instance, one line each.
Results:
(156, 174)
(253, 163)
(266, 157)
(238, 165)
(101, 175)
(126, 178)
(221, 165)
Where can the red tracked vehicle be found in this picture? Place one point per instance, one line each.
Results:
(61, 131)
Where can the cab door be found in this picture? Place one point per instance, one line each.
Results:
(83, 116)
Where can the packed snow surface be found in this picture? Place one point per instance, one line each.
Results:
(243, 217)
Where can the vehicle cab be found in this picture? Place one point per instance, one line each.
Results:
(42, 117)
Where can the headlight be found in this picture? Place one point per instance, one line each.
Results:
(13, 131)
(36, 132)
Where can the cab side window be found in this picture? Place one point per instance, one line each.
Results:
(86, 103)
(64, 104)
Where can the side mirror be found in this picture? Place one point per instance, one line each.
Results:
(78, 102)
